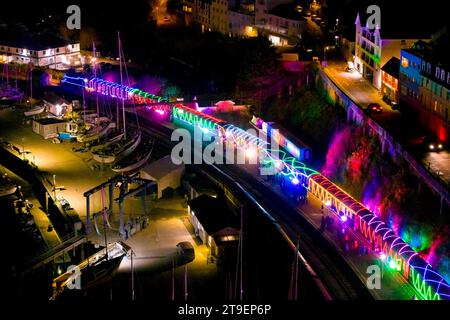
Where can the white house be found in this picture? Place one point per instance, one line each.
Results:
(41, 51)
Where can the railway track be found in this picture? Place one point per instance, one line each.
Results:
(334, 276)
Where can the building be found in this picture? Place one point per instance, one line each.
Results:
(49, 127)
(375, 47)
(389, 80)
(219, 16)
(56, 105)
(40, 51)
(213, 223)
(241, 22)
(196, 185)
(425, 84)
(165, 173)
(279, 20)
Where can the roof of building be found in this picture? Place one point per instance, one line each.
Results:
(46, 121)
(52, 98)
(437, 52)
(392, 67)
(287, 11)
(213, 214)
(162, 167)
(29, 40)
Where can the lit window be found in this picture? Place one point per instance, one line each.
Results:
(405, 62)
(438, 72)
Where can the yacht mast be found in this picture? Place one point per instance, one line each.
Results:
(95, 75)
(121, 83)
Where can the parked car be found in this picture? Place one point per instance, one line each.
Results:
(186, 250)
(374, 107)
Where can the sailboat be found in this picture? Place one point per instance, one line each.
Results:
(7, 187)
(116, 151)
(8, 93)
(97, 132)
(35, 111)
(135, 160)
(95, 270)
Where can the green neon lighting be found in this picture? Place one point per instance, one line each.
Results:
(424, 289)
(374, 57)
(192, 119)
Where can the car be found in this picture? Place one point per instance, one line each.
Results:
(434, 145)
(186, 250)
(374, 107)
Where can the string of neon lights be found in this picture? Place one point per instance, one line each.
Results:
(430, 284)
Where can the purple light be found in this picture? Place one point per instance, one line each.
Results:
(344, 218)
(160, 112)
(295, 181)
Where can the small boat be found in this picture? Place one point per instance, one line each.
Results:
(135, 160)
(34, 111)
(117, 151)
(95, 270)
(106, 142)
(9, 94)
(98, 132)
(7, 187)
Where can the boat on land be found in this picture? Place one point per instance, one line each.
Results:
(94, 271)
(106, 141)
(7, 187)
(135, 160)
(117, 151)
(35, 111)
(97, 132)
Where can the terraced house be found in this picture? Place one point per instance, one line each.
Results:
(425, 84)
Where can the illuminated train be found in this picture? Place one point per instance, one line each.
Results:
(398, 254)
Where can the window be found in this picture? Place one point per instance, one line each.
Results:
(429, 68)
(443, 75)
(424, 65)
(438, 72)
(405, 62)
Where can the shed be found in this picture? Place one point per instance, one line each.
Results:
(56, 105)
(165, 173)
(49, 127)
(213, 222)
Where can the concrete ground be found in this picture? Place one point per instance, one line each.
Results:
(154, 246)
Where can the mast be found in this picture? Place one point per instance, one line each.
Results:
(31, 81)
(241, 291)
(95, 75)
(121, 83)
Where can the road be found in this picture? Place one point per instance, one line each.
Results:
(398, 125)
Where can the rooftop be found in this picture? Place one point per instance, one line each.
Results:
(45, 121)
(392, 67)
(436, 52)
(213, 214)
(162, 167)
(28, 40)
